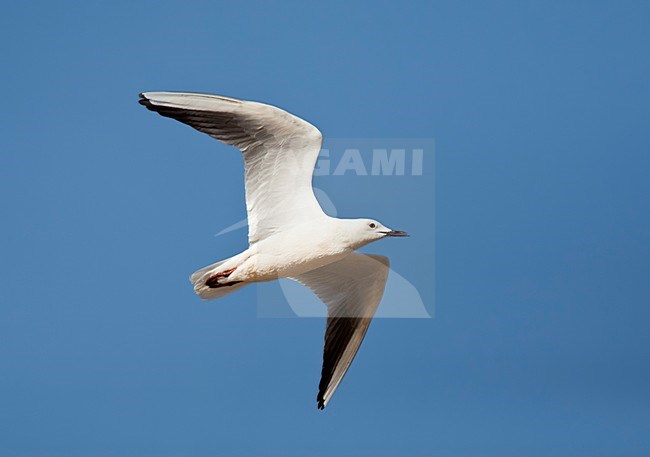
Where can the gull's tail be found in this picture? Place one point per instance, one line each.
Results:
(200, 277)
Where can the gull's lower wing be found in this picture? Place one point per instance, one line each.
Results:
(352, 289)
(280, 151)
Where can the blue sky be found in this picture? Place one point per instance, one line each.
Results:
(539, 345)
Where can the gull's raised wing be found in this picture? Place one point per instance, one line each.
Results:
(352, 289)
(280, 151)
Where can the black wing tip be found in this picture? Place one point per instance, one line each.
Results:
(144, 101)
(321, 400)
(321, 405)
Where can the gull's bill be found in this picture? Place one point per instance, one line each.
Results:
(395, 233)
(352, 289)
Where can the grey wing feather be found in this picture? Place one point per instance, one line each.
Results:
(280, 151)
(352, 289)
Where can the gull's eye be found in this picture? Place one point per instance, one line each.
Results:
(372, 225)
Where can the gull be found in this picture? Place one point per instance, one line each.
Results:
(289, 235)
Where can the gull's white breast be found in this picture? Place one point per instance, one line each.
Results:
(292, 252)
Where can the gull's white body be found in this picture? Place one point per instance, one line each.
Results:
(311, 246)
(289, 234)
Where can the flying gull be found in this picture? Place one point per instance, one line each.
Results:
(288, 233)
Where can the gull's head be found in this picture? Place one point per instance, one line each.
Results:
(363, 231)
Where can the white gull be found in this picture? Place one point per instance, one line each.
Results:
(289, 234)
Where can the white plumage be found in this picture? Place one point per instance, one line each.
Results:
(289, 234)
